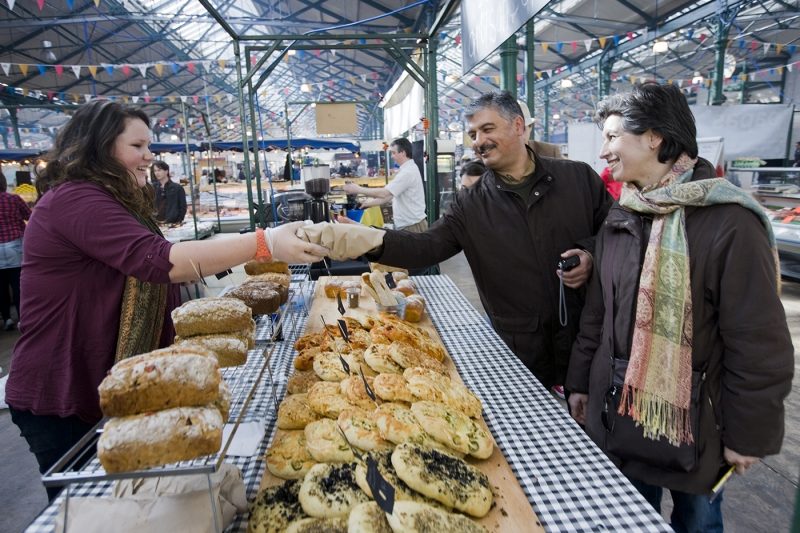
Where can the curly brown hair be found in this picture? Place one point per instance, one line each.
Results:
(83, 151)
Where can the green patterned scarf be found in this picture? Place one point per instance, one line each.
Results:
(658, 382)
(142, 312)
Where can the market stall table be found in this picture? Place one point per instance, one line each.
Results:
(568, 481)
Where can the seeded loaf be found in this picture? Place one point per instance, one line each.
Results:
(211, 315)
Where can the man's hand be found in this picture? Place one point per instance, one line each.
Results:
(577, 406)
(576, 277)
(741, 462)
(288, 247)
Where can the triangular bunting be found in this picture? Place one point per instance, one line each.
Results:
(87, 98)
(23, 68)
(42, 69)
(70, 4)
(221, 64)
(574, 45)
(230, 98)
(766, 48)
(93, 70)
(183, 99)
(59, 70)
(11, 5)
(602, 41)
(160, 69)
(126, 70)
(172, 100)
(40, 3)
(195, 99)
(135, 99)
(789, 67)
(778, 48)
(175, 68)
(76, 69)
(96, 3)
(544, 47)
(143, 69)
(109, 69)
(587, 43)
(6, 68)
(190, 67)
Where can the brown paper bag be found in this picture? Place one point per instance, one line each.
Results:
(175, 504)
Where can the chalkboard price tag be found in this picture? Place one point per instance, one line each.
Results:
(382, 490)
(339, 303)
(390, 281)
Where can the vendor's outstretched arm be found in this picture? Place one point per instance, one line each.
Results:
(213, 256)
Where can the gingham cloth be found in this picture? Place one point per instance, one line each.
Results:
(569, 482)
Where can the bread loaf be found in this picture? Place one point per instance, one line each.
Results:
(211, 315)
(260, 296)
(143, 441)
(415, 308)
(229, 349)
(253, 268)
(171, 377)
(283, 279)
(282, 290)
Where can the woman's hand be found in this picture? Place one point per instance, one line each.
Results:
(741, 462)
(288, 247)
(577, 406)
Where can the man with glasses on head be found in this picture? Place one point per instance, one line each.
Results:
(405, 191)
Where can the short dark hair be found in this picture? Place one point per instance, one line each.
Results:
(503, 101)
(403, 145)
(473, 168)
(659, 107)
(163, 166)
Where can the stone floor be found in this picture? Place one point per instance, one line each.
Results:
(761, 501)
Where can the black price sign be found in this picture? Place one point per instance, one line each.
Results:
(339, 303)
(343, 330)
(345, 366)
(367, 388)
(390, 281)
(382, 490)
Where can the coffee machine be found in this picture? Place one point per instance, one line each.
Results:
(317, 182)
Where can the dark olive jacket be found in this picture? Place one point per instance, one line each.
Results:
(741, 340)
(513, 248)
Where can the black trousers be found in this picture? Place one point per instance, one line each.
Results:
(9, 278)
(49, 438)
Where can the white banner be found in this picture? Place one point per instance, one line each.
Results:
(749, 130)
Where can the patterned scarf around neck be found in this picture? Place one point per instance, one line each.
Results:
(658, 382)
(142, 311)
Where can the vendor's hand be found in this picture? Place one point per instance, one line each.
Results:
(350, 188)
(288, 247)
(741, 462)
(344, 220)
(576, 277)
(577, 406)
(346, 241)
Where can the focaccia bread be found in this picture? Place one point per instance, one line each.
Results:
(378, 359)
(407, 357)
(368, 518)
(330, 490)
(361, 431)
(429, 385)
(301, 381)
(288, 457)
(318, 525)
(326, 399)
(230, 349)
(383, 459)
(253, 268)
(454, 429)
(142, 441)
(260, 296)
(444, 478)
(325, 442)
(275, 508)
(415, 517)
(328, 366)
(211, 315)
(392, 388)
(294, 412)
(396, 423)
(171, 377)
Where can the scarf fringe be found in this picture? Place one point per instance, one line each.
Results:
(657, 417)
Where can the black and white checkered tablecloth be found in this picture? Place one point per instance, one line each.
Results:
(569, 482)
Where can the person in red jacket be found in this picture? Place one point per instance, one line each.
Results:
(613, 186)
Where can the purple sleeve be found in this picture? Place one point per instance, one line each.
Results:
(104, 230)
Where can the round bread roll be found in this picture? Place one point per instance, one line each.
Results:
(407, 287)
(325, 442)
(330, 491)
(288, 457)
(415, 308)
(326, 399)
(368, 518)
(354, 390)
(407, 357)
(383, 459)
(328, 367)
(415, 517)
(454, 429)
